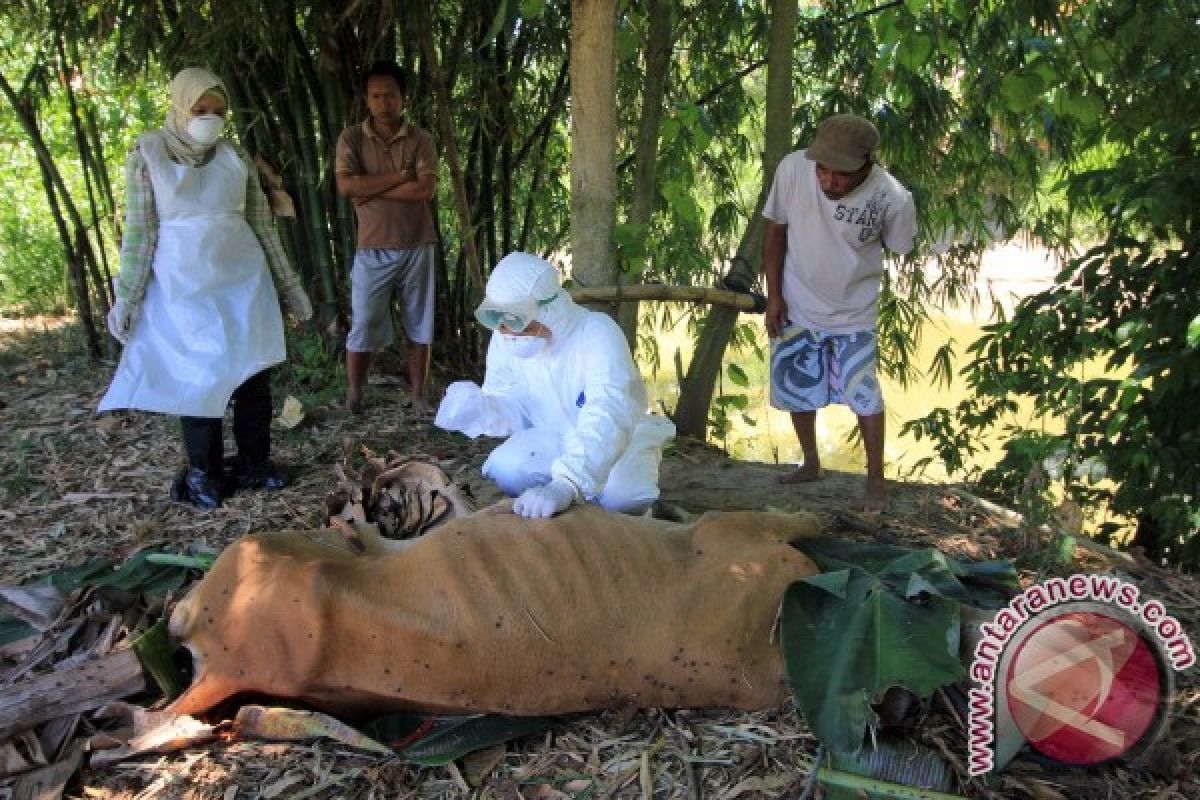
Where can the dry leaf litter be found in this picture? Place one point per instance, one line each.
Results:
(76, 486)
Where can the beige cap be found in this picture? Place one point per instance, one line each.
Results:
(843, 142)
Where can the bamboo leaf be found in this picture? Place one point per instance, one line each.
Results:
(738, 375)
(497, 22)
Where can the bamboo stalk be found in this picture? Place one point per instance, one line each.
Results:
(672, 294)
(87, 159)
(59, 199)
(450, 149)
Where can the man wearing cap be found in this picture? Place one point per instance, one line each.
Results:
(830, 213)
(561, 384)
(387, 167)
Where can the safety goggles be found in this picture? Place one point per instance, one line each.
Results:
(515, 317)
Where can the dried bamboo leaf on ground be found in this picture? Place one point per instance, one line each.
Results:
(48, 783)
(144, 732)
(261, 722)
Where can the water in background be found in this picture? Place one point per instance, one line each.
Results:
(765, 434)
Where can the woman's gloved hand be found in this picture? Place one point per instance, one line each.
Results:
(298, 303)
(546, 501)
(120, 319)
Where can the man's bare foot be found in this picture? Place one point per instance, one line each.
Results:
(875, 496)
(805, 473)
(354, 402)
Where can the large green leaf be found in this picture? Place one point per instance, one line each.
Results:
(13, 629)
(847, 638)
(988, 584)
(877, 616)
(454, 737)
(914, 50)
(136, 574)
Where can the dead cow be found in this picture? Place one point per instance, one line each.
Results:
(496, 613)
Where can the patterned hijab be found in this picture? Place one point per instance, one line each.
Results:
(187, 87)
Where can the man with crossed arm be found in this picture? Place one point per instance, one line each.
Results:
(387, 166)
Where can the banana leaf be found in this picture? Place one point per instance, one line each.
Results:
(987, 584)
(137, 574)
(877, 616)
(439, 740)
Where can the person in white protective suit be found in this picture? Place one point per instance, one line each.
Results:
(197, 296)
(561, 384)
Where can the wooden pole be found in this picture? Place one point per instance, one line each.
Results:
(670, 294)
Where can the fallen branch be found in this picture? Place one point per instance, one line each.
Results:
(81, 687)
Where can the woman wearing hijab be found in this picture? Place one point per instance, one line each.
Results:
(197, 307)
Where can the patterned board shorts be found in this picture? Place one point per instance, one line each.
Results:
(811, 369)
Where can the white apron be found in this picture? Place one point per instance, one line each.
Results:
(210, 318)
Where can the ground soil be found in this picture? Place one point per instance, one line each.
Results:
(75, 485)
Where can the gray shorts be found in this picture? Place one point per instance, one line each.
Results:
(375, 276)
(811, 369)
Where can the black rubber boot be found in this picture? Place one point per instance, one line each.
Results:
(253, 468)
(196, 487)
(201, 483)
(258, 475)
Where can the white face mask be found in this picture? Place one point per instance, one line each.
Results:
(524, 346)
(206, 128)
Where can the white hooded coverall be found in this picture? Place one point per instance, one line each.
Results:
(574, 410)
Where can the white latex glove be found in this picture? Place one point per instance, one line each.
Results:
(546, 501)
(298, 303)
(120, 320)
(461, 409)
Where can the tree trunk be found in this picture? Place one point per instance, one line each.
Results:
(87, 161)
(593, 142)
(657, 60)
(696, 393)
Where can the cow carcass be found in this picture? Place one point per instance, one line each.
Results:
(496, 613)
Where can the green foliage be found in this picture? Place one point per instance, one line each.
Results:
(751, 371)
(436, 741)
(874, 618)
(32, 274)
(313, 362)
(1130, 302)
(999, 117)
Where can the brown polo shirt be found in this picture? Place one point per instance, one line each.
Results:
(389, 224)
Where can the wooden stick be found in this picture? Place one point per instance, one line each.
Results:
(675, 294)
(70, 690)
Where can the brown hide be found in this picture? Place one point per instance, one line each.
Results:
(495, 613)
